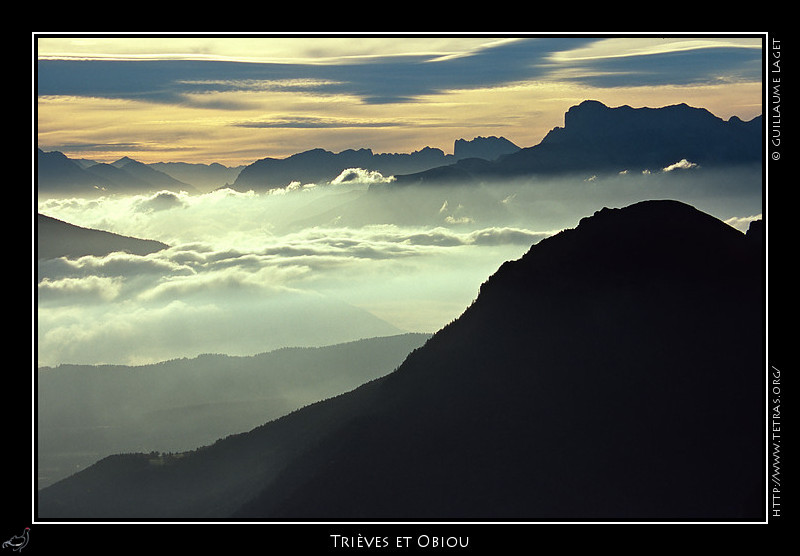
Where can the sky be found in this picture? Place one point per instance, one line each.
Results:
(248, 272)
(236, 99)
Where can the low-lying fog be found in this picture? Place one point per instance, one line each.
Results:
(312, 265)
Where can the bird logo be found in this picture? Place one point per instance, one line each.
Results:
(18, 542)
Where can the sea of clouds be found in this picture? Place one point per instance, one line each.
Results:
(309, 264)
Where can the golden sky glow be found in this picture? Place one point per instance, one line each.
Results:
(238, 118)
(278, 49)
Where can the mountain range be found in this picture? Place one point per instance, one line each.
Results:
(204, 177)
(59, 175)
(56, 175)
(319, 165)
(600, 139)
(595, 138)
(614, 372)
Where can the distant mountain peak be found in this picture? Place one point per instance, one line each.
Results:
(487, 148)
(595, 117)
(123, 161)
(57, 174)
(601, 139)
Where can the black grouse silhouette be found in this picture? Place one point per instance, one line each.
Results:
(18, 542)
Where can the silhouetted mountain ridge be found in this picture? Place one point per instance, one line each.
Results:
(487, 148)
(597, 138)
(576, 386)
(60, 175)
(55, 238)
(205, 177)
(320, 165)
(56, 174)
(612, 372)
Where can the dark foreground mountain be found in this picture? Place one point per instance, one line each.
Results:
(600, 139)
(55, 238)
(614, 372)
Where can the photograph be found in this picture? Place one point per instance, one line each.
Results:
(400, 292)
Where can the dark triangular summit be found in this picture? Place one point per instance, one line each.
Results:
(647, 240)
(578, 386)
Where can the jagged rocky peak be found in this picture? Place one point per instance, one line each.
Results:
(488, 148)
(595, 114)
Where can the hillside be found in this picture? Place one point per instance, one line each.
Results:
(87, 412)
(614, 372)
(55, 238)
(591, 379)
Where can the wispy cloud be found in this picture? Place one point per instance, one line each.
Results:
(619, 62)
(314, 123)
(379, 70)
(287, 48)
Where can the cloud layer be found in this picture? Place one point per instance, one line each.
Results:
(241, 277)
(316, 264)
(377, 72)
